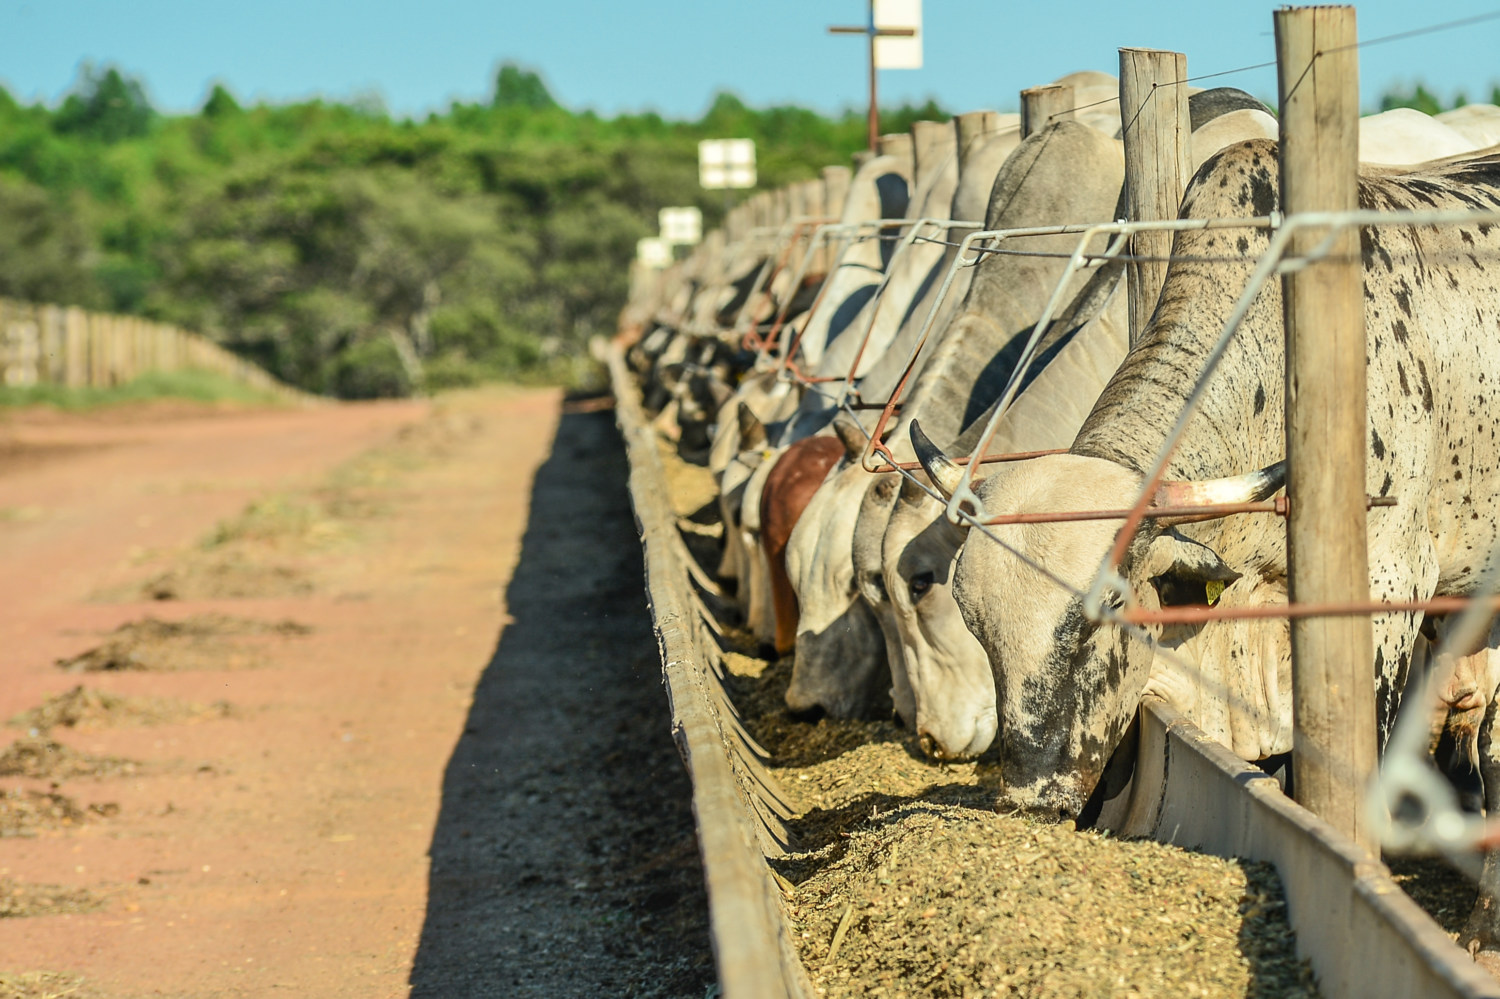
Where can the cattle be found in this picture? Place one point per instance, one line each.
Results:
(766, 396)
(841, 635)
(1479, 123)
(871, 330)
(971, 366)
(1067, 170)
(789, 486)
(1068, 686)
(1404, 137)
(947, 669)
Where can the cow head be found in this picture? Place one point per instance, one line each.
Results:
(1067, 687)
(952, 687)
(840, 663)
(869, 532)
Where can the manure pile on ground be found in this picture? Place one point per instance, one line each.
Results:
(84, 708)
(26, 813)
(18, 900)
(42, 985)
(43, 759)
(199, 642)
(273, 547)
(905, 881)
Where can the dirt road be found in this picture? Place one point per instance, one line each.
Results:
(410, 739)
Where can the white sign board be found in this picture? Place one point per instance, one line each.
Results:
(681, 225)
(726, 163)
(653, 252)
(895, 51)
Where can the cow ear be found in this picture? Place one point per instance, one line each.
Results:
(752, 431)
(1185, 572)
(852, 435)
(945, 475)
(718, 389)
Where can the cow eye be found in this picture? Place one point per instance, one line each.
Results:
(920, 584)
(1185, 591)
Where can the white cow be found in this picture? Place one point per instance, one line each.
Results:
(1068, 687)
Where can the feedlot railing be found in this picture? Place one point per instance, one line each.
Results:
(1416, 808)
(1364, 936)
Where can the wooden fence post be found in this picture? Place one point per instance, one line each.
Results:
(1158, 163)
(835, 189)
(1042, 105)
(77, 365)
(51, 368)
(1317, 66)
(931, 141)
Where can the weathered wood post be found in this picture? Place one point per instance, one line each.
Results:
(1042, 105)
(1317, 67)
(77, 349)
(971, 128)
(835, 189)
(1158, 163)
(931, 142)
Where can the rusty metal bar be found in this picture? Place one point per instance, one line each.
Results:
(914, 466)
(1269, 265)
(877, 446)
(1192, 512)
(1122, 231)
(751, 339)
(827, 282)
(907, 241)
(825, 230)
(1204, 615)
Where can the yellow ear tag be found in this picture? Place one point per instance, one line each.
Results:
(1215, 589)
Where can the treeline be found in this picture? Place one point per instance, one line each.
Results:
(356, 254)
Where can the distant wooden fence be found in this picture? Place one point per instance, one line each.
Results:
(57, 345)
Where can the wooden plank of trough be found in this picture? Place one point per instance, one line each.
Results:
(753, 949)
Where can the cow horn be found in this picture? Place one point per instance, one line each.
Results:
(1248, 488)
(851, 435)
(943, 473)
(752, 431)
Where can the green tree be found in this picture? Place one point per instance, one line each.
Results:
(516, 87)
(220, 103)
(105, 105)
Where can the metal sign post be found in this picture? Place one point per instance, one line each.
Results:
(893, 45)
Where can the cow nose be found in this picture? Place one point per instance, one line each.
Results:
(809, 715)
(1463, 698)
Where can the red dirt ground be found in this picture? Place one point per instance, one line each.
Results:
(285, 849)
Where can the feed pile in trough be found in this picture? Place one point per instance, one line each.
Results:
(194, 643)
(1447, 895)
(903, 880)
(954, 900)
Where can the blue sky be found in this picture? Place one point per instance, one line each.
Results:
(672, 55)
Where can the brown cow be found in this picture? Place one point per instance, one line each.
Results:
(789, 487)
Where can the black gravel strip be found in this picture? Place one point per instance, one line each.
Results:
(564, 861)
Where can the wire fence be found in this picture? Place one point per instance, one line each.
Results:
(1414, 807)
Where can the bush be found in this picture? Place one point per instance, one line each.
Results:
(369, 370)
